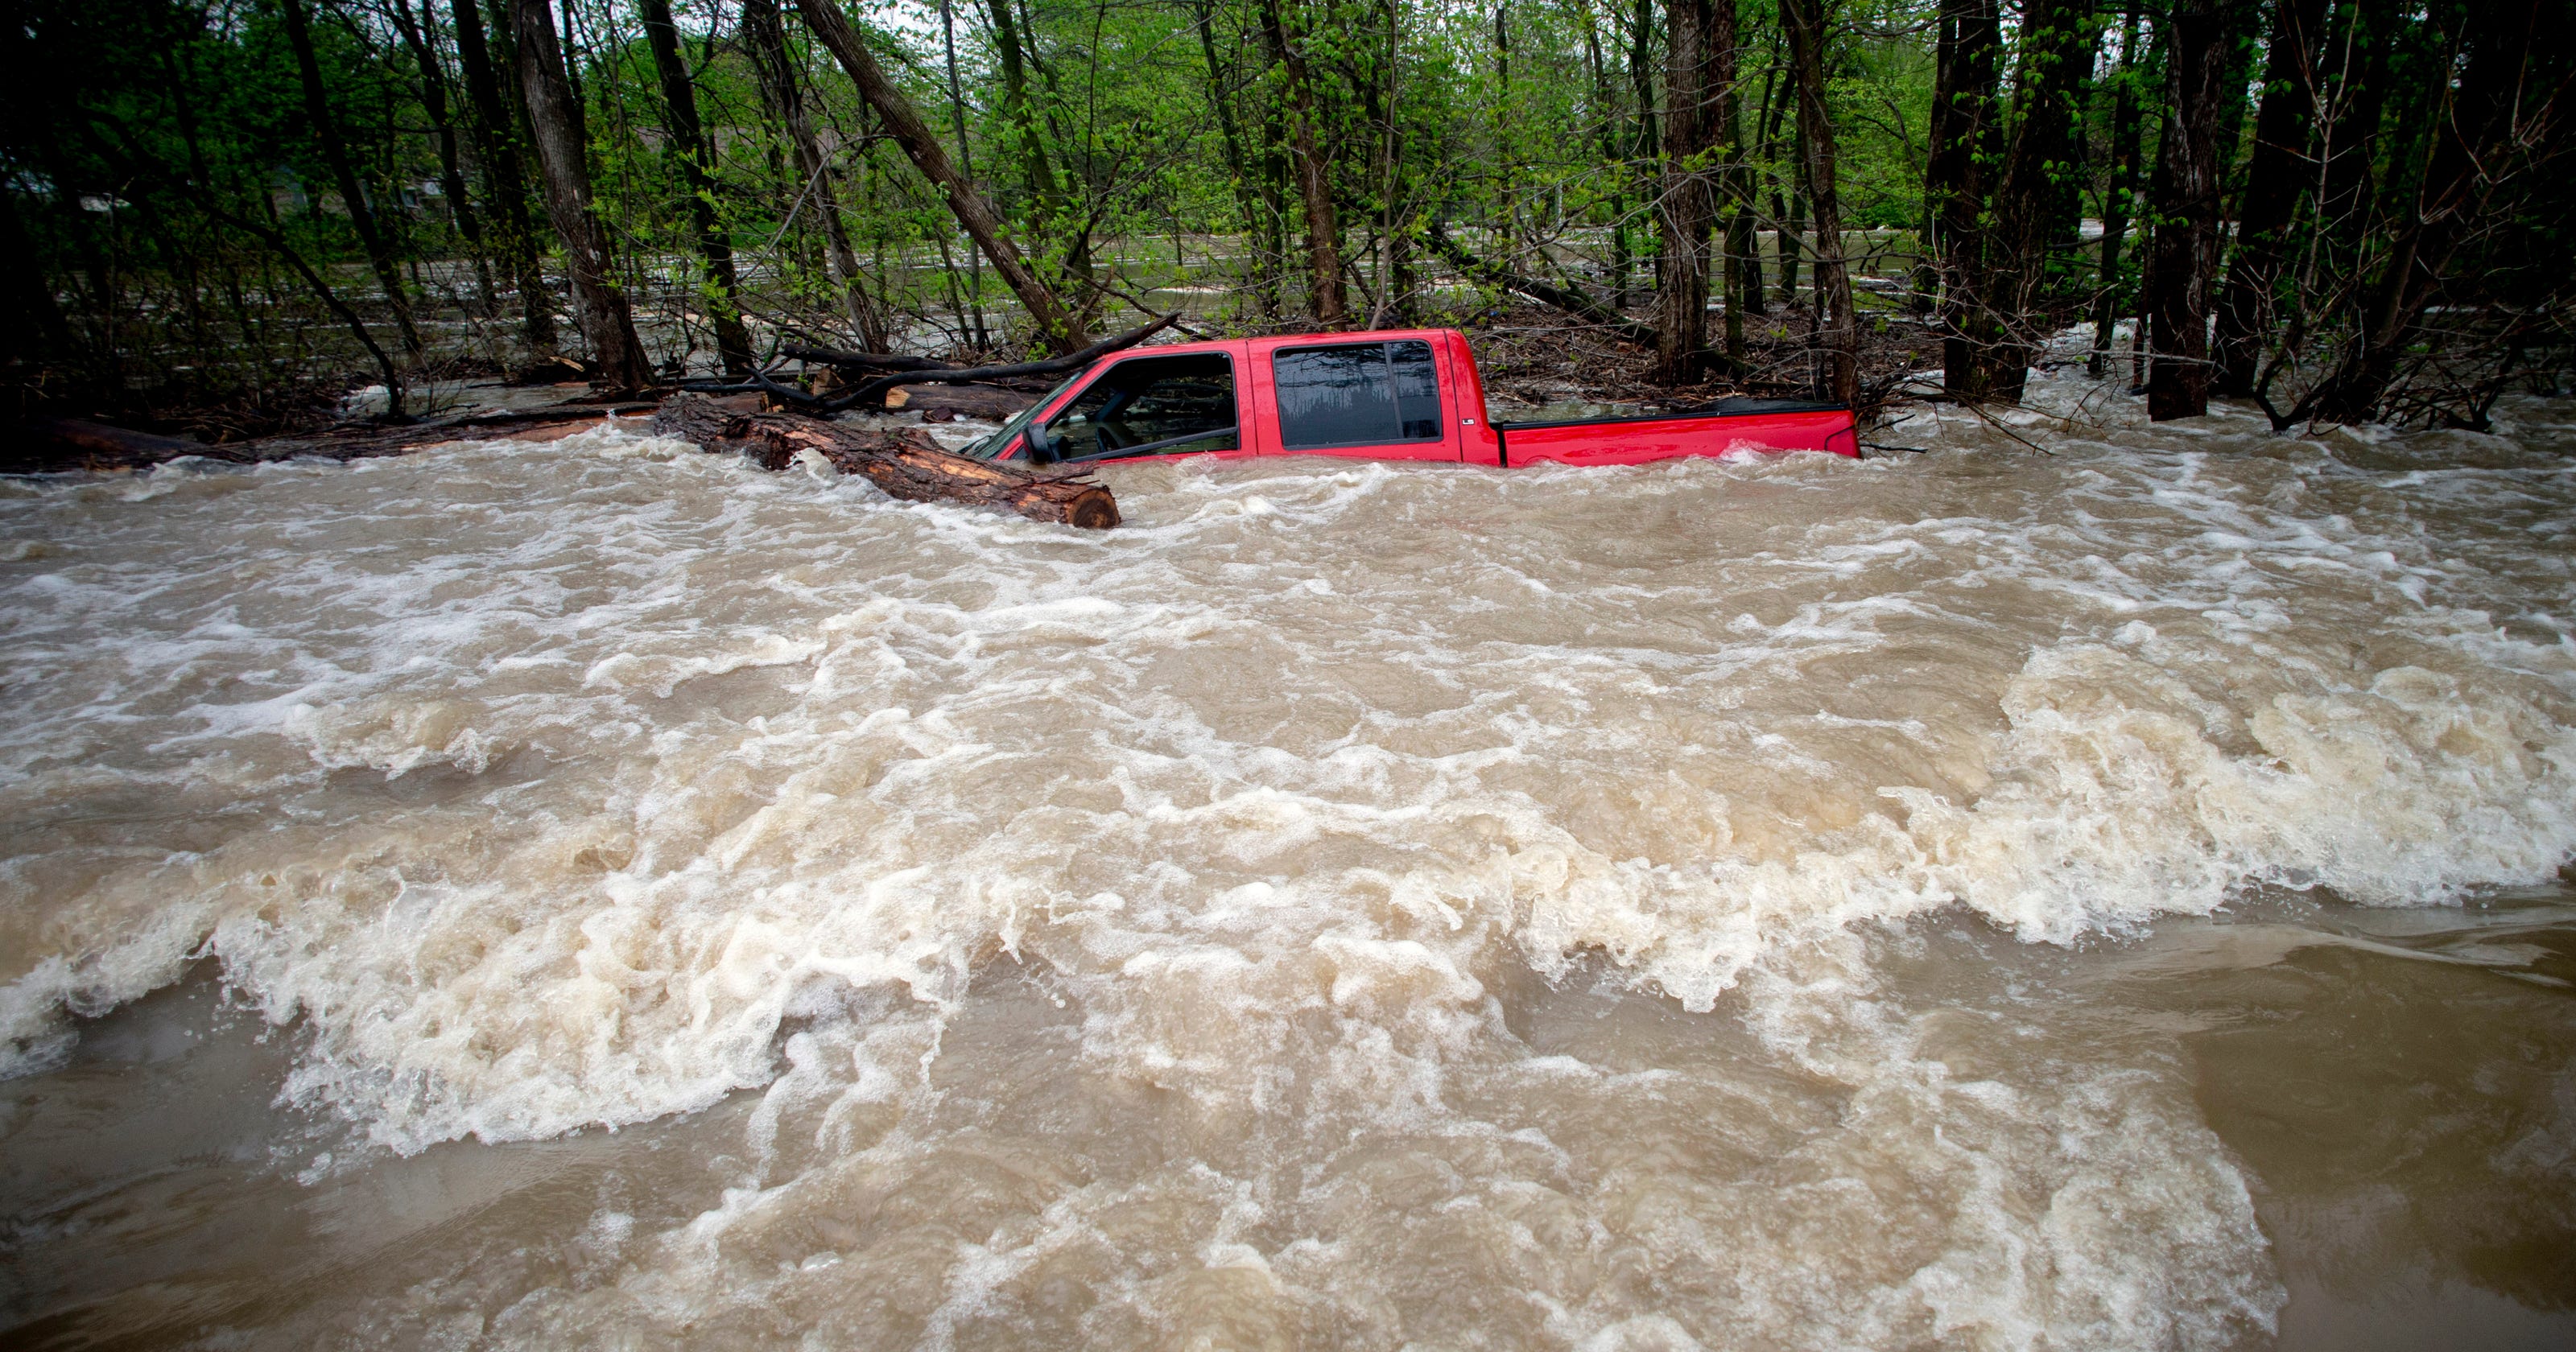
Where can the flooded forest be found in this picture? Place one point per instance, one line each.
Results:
(2341, 212)
(661, 693)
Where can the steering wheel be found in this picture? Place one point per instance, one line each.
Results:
(1113, 432)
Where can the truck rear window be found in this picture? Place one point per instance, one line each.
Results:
(1357, 394)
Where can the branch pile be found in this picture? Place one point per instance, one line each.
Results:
(906, 463)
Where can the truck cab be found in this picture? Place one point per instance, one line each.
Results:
(1403, 394)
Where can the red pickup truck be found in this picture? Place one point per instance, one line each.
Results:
(1406, 394)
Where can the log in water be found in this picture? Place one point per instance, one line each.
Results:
(599, 893)
(904, 463)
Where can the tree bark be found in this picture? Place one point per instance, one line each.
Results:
(505, 176)
(1686, 208)
(2275, 180)
(1329, 295)
(607, 324)
(335, 153)
(1837, 327)
(1059, 327)
(690, 153)
(907, 464)
(2032, 210)
(2184, 250)
(1957, 172)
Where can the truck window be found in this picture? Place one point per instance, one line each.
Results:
(1150, 406)
(1357, 394)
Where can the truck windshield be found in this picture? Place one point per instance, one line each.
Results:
(1001, 441)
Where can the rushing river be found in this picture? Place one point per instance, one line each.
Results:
(600, 894)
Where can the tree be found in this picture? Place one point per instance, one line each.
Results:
(353, 194)
(2183, 249)
(690, 154)
(2275, 181)
(599, 305)
(2034, 206)
(505, 175)
(1958, 169)
(1687, 208)
(1837, 327)
(1058, 327)
(782, 93)
(1326, 291)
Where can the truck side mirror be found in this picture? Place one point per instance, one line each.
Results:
(1041, 447)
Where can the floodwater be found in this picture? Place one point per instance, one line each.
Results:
(599, 894)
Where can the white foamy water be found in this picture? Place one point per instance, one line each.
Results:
(1349, 905)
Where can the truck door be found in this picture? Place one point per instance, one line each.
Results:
(1176, 404)
(1378, 399)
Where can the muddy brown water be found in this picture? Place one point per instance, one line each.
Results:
(598, 894)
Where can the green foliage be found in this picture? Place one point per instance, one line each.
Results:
(1129, 145)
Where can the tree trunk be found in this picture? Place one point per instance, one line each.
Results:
(335, 153)
(966, 160)
(1686, 208)
(1955, 186)
(907, 464)
(505, 176)
(1793, 226)
(1642, 170)
(1331, 299)
(2120, 187)
(1837, 327)
(1735, 178)
(2185, 245)
(2031, 210)
(2275, 179)
(598, 305)
(1060, 327)
(690, 153)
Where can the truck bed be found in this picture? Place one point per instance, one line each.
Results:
(1727, 425)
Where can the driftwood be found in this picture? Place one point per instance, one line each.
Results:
(904, 462)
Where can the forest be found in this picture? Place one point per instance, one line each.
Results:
(223, 213)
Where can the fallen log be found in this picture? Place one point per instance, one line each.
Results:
(904, 462)
(878, 361)
(947, 403)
